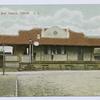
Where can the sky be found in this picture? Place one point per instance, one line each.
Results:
(77, 17)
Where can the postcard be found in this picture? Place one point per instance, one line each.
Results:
(49, 50)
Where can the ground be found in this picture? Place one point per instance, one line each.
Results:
(51, 83)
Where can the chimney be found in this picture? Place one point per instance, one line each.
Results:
(68, 34)
(38, 36)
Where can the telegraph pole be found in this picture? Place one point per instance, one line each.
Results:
(3, 60)
(30, 52)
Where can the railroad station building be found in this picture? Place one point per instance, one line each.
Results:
(54, 45)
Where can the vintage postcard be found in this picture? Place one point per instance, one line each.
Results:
(49, 50)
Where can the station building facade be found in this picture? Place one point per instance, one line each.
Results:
(52, 45)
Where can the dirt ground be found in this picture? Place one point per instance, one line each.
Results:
(7, 85)
(55, 83)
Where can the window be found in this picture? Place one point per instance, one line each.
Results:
(63, 50)
(47, 50)
(97, 57)
(54, 51)
(58, 50)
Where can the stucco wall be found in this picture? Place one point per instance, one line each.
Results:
(11, 61)
(46, 58)
(11, 58)
(60, 58)
(25, 58)
(12, 64)
(55, 32)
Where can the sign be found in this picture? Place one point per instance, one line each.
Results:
(36, 43)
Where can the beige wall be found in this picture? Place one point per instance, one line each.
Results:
(25, 58)
(50, 33)
(11, 58)
(12, 64)
(60, 58)
(46, 58)
(11, 61)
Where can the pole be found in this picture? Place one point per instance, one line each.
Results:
(30, 52)
(3, 60)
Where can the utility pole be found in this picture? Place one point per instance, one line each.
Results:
(3, 60)
(30, 53)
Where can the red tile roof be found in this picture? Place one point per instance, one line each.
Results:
(75, 39)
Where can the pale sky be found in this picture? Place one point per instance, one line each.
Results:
(78, 17)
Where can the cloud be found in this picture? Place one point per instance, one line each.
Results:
(11, 24)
